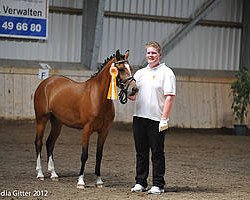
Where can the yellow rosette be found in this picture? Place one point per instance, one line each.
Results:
(112, 93)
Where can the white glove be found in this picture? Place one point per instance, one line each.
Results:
(163, 124)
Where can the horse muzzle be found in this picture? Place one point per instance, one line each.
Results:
(128, 88)
(131, 87)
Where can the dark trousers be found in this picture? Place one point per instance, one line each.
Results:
(147, 137)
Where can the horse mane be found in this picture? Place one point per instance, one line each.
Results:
(99, 68)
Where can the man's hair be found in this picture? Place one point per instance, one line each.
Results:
(155, 45)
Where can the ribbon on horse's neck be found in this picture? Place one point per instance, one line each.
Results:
(112, 93)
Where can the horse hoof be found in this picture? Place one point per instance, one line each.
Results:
(40, 178)
(54, 179)
(99, 185)
(99, 182)
(80, 186)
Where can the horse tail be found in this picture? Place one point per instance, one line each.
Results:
(41, 100)
(42, 115)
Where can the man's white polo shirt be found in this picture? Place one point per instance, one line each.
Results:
(153, 84)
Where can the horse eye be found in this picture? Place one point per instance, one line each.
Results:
(121, 69)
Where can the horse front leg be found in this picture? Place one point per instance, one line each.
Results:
(99, 182)
(99, 151)
(84, 158)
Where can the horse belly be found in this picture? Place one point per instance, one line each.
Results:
(68, 117)
(66, 110)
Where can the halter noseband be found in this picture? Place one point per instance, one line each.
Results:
(122, 84)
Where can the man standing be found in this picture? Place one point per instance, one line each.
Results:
(157, 88)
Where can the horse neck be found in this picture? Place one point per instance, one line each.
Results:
(103, 79)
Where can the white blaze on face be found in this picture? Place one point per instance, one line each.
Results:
(128, 68)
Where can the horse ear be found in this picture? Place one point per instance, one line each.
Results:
(126, 54)
(117, 54)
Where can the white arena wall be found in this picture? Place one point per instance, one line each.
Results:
(201, 102)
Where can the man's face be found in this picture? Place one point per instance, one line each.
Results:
(152, 56)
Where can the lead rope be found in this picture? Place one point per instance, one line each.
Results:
(123, 96)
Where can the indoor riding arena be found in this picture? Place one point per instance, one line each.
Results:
(205, 43)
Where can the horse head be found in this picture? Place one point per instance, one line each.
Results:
(125, 79)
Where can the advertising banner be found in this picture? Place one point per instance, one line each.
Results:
(24, 18)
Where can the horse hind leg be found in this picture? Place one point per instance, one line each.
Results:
(40, 127)
(50, 144)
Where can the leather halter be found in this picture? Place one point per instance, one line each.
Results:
(123, 84)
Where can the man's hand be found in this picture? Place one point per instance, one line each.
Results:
(163, 124)
(132, 98)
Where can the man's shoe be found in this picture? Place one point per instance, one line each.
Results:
(138, 188)
(155, 190)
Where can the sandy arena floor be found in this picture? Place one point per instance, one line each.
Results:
(200, 165)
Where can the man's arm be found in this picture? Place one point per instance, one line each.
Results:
(167, 106)
(163, 125)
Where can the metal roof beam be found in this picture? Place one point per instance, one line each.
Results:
(181, 31)
(195, 18)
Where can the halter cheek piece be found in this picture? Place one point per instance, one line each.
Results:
(122, 84)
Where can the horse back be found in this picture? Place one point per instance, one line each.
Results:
(56, 90)
(73, 103)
